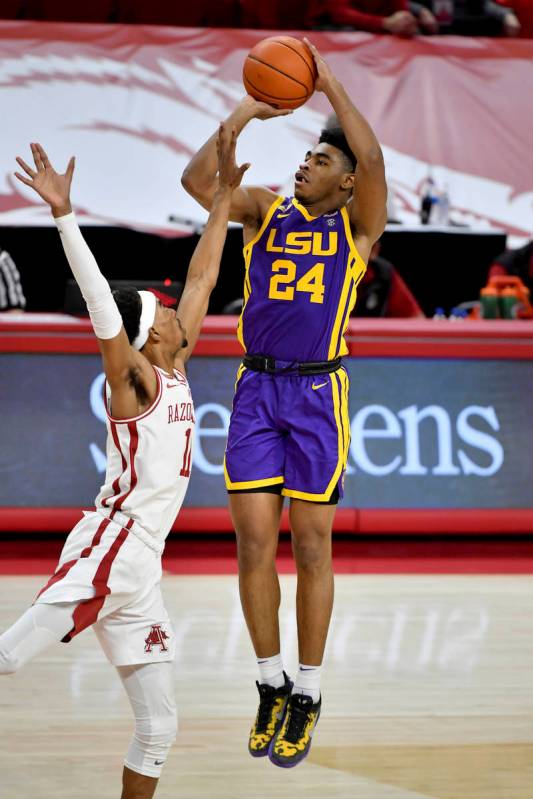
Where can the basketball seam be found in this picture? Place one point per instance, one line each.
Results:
(275, 69)
(290, 47)
(273, 96)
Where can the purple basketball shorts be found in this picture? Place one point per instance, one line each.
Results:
(289, 430)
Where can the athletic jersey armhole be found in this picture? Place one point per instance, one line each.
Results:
(349, 236)
(148, 410)
(268, 216)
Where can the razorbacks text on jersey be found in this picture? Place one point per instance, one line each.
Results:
(300, 284)
(149, 458)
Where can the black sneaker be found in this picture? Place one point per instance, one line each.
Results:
(293, 742)
(270, 715)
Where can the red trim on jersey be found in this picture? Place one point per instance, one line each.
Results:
(116, 482)
(134, 443)
(86, 612)
(66, 567)
(150, 408)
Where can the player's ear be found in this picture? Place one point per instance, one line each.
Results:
(154, 336)
(348, 181)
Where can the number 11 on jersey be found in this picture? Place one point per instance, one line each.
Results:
(185, 470)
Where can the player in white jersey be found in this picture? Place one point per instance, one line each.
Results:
(109, 572)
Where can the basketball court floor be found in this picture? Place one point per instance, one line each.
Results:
(428, 694)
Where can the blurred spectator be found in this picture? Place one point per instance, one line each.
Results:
(398, 17)
(11, 9)
(233, 308)
(11, 295)
(523, 10)
(212, 13)
(275, 15)
(515, 262)
(473, 17)
(383, 293)
(67, 11)
(408, 17)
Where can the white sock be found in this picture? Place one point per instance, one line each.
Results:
(308, 681)
(271, 671)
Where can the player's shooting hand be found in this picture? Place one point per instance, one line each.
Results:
(255, 109)
(49, 184)
(325, 78)
(229, 174)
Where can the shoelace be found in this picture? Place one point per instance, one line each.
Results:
(266, 703)
(296, 723)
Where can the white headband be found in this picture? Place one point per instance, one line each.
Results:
(149, 303)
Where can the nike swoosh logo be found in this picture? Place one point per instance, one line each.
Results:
(158, 762)
(172, 385)
(320, 385)
(280, 216)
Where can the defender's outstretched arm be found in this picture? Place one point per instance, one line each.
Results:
(120, 360)
(205, 262)
(200, 179)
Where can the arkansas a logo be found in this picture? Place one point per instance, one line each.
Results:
(156, 637)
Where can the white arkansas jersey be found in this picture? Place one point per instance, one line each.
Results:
(149, 458)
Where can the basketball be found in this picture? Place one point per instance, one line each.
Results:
(280, 71)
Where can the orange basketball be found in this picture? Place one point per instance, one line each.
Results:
(280, 71)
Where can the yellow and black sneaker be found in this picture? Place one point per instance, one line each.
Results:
(270, 715)
(293, 742)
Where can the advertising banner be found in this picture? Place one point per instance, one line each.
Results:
(134, 103)
(425, 433)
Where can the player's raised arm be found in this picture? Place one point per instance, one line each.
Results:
(200, 178)
(205, 262)
(368, 208)
(121, 361)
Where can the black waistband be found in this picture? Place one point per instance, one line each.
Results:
(264, 363)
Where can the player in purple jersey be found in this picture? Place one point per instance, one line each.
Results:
(290, 430)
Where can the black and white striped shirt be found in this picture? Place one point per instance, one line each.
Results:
(11, 294)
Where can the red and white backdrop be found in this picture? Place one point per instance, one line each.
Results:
(134, 103)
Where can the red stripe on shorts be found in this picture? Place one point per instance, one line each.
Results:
(86, 613)
(66, 567)
(134, 443)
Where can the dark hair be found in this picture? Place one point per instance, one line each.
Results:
(129, 304)
(334, 135)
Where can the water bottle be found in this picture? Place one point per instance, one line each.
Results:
(510, 302)
(489, 302)
(456, 315)
(439, 315)
(443, 207)
(428, 199)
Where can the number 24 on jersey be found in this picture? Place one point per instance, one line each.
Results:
(284, 276)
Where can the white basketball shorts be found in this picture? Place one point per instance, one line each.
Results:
(114, 579)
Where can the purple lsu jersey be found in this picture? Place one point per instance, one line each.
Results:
(300, 284)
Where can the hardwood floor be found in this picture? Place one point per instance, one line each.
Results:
(428, 694)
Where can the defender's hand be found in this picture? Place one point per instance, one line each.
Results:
(53, 187)
(255, 109)
(229, 174)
